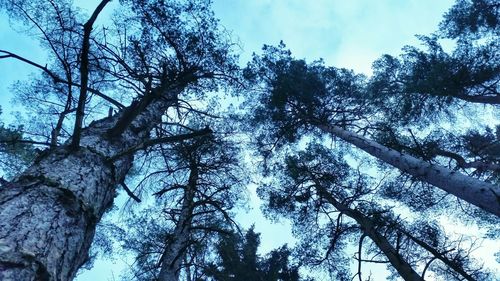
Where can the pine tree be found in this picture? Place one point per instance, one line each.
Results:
(332, 204)
(301, 99)
(149, 60)
(238, 260)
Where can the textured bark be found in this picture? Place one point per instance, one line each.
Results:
(369, 229)
(482, 194)
(49, 212)
(175, 250)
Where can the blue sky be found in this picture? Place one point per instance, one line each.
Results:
(349, 34)
(345, 33)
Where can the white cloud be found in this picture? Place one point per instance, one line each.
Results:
(349, 34)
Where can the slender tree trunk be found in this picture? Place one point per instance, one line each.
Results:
(84, 74)
(369, 229)
(49, 212)
(440, 256)
(482, 194)
(175, 250)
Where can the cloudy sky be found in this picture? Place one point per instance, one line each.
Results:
(345, 33)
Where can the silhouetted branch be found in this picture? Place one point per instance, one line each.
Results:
(84, 74)
(438, 255)
(58, 79)
(360, 249)
(130, 193)
(169, 139)
(464, 164)
(15, 141)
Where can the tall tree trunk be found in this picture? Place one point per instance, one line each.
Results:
(49, 212)
(482, 194)
(369, 229)
(175, 250)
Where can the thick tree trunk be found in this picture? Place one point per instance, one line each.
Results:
(175, 250)
(369, 229)
(482, 194)
(49, 213)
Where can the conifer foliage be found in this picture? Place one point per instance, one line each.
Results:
(368, 170)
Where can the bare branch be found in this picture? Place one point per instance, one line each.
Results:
(169, 139)
(84, 75)
(130, 193)
(58, 79)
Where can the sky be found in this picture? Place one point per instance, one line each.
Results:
(345, 33)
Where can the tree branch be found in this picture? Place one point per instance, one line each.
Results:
(58, 79)
(130, 193)
(84, 75)
(456, 267)
(464, 164)
(169, 139)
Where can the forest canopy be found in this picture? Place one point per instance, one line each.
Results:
(142, 135)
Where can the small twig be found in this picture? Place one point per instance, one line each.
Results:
(417, 144)
(58, 79)
(130, 193)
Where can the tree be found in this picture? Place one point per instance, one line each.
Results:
(108, 96)
(298, 98)
(473, 150)
(196, 187)
(48, 213)
(422, 84)
(238, 260)
(15, 151)
(326, 199)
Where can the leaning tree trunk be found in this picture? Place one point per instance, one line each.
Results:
(369, 229)
(457, 267)
(482, 194)
(175, 249)
(49, 212)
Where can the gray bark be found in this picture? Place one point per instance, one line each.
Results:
(369, 229)
(482, 194)
(175, 249)
(49, 212)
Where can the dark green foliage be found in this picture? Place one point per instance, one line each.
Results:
(238, 260)
(196, 184)
(12, 143)
(483, 145)
(300, 94)
(15, 151)
(182, 39)
(297, 194)
(331, 206)
(424, 85)
(471, 18)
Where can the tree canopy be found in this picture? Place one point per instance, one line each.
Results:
(367, 169)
